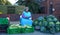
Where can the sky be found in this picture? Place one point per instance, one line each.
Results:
(12, 1)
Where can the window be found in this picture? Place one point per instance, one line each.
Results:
(50, 9)
(42, 10)
(11, 10)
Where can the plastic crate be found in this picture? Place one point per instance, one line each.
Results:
(27, 30)
(4, 21)
(3, 28)
(13, 31)
(3, 31)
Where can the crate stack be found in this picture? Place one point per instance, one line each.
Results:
(16, 29)
(4, 23)
(27, 29)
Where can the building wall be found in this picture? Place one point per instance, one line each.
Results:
(56, 6)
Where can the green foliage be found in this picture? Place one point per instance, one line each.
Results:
(8, 3)
(4, 2)
(33, 6)
(4, 10)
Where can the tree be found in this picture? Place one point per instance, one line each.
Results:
(4, 2)
(34, 7)
(8, 3)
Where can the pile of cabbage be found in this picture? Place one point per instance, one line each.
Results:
(47, 24)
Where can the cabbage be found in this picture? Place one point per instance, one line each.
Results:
(51, 16)
(29, 27)
(45, 23)
(57, 29)
(58, 22)
(41, 18)
(48, 21)
(52, 30)
(43, 29)
(14, 26)
(40, 23)
(35, 22)
(51, 24)
(55, 19)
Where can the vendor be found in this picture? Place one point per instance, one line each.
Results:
(26, 18)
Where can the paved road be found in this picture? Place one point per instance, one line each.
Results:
(34, 33)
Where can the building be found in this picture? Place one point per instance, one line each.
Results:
(51, 6)
(48, 7)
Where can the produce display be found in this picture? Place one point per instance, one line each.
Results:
(27, 29)
(3, 21)
(47, 24)
(16, 28)
(13, 29)
(3, 25)
(57, 26)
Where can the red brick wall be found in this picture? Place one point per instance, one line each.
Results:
(16, 17)
(57, 6)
